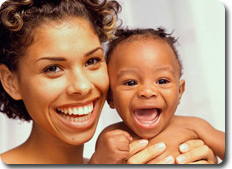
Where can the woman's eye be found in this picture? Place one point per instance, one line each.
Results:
(130, 83)
(52, 69)
(92, 61)
(163, 81)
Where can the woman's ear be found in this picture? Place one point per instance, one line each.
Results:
(110, 100)
(181, 89)
(9, 82)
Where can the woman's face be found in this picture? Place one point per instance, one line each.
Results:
(63, 80)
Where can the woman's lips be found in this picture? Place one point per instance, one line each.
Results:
(147, 118)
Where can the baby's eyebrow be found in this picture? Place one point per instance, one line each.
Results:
(168, 69)
(127, 71)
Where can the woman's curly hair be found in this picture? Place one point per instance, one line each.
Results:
(18, 19)
(130, 35)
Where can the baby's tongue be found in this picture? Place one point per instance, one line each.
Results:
(146, 114)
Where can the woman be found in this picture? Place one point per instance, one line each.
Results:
(50, 65)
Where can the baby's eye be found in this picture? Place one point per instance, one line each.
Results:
(163, 81)
(130, 83)
(92, 61)
(52, 69)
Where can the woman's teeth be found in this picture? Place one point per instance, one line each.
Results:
(76, 119)
(77, 114)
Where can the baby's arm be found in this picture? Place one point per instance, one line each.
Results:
(215, 139)
(112, 147)
(115, 146)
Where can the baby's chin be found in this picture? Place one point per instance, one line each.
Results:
(147, 134)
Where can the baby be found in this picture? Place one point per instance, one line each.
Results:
(146, 88)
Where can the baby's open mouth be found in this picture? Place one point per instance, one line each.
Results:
(76, 113)
(147, 116)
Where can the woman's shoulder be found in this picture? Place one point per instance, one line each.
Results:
(17, 155)
(11, 157)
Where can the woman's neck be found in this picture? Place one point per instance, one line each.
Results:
(45, 148)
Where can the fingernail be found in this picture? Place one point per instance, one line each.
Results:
(160, 146)
(169, 159)
(143, 141)
(181, 159)
(184, 148)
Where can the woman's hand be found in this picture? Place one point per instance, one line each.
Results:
(139, 155)
(193, 152)
(196, 152)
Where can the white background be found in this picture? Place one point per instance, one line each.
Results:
(200, 26)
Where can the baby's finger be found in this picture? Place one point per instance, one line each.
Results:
(147, 154)
(190, 145)
(121, 132)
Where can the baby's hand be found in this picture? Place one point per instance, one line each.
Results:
(112, 147)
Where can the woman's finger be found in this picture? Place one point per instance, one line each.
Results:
(202, 152)
(137, 146)
(147, 154)
(190, 145)
(200, 162)
(168, 160)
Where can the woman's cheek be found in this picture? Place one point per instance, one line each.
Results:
(101, 80)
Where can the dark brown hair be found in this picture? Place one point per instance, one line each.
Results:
(18, 19)
(130, 35)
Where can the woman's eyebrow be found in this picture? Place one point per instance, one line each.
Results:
(93, 51)
(51, 58)
(64, 59)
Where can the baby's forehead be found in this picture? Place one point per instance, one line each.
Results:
(135, 43)
(143, 44)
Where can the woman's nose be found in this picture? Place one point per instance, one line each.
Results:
(147, 91)
(79, 84)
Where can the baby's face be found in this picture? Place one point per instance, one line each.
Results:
(144, 80)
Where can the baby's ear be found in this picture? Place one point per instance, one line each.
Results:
(181, 89)
(110, 100)
(9, 82)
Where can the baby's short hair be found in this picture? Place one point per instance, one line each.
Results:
(130, 35)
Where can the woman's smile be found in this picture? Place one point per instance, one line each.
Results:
(76, 116)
